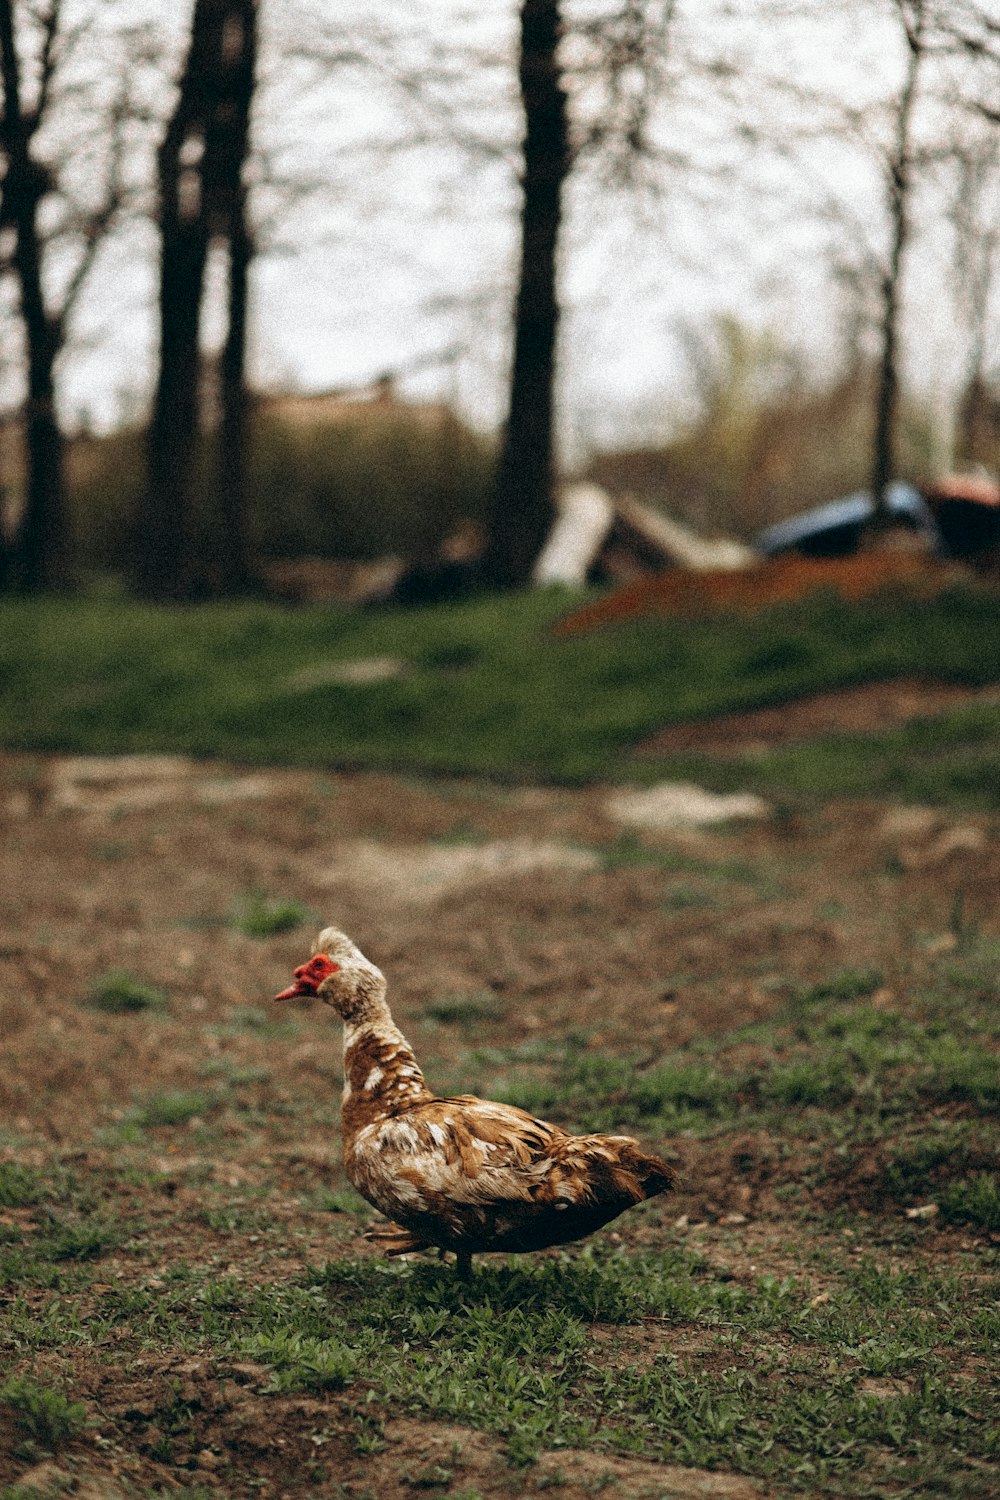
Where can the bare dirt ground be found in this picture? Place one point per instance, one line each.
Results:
(455, 889)
(864, 709)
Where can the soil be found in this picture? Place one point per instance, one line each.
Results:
(779, 580)
(865, 709)
(136, 865)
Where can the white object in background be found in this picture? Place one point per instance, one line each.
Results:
(584, 519)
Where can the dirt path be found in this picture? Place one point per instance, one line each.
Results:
(543, 898)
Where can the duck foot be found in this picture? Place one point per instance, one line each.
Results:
(393, 1239)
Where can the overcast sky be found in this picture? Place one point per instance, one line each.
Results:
(402, 255)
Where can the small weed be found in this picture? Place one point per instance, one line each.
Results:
(120, 992)
(87, 1240)
(975, 1201)
(684, 896)
(256, 916)
(44, 1415)
(301, 1363)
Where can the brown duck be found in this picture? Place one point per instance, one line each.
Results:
(464, 1174)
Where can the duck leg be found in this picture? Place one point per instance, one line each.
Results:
(463, 1264)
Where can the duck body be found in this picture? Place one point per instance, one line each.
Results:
(465, 1174)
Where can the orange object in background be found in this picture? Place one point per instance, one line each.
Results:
(778, 581)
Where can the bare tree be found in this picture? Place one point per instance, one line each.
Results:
(614, 74)
(523, 505)
(897, 133)
(976, 226)
(231, 140)
(202, 197)
(39, 556)
(899, 171)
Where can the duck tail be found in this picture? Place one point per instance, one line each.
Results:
(653, 1173)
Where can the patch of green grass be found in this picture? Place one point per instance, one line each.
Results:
(466, 1010)
(629, 851)
(19, 1185)
(751, 1373)
(172, 1107)
(45, 1416)
(120, 992)
(845, 984)
(257, 1020)
(598, 1092)
(257, 916)
(232, 1220)
(104, 675)
(685, 895)
(828, 1050)
(301, 1363)
(342, 1201)
(939, 1151)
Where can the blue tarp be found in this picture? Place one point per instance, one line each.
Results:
(833, 530)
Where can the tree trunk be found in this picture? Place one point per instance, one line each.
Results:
(523, 507)
(202, 196)
(39, 553)
(900, 185)
(163, 560)
(236, 576)
(163, 543)
(236, 573)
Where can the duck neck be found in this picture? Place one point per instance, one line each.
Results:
(381, 1074)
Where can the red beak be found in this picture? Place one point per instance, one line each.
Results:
(309, 977)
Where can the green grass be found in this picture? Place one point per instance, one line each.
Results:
(43, 1415)
(974, 1201)
(102, 676)
(830, 1060)
(172, 1107)
(120, 992)
(19, 1185)
(257, 916)
(753, 1374)
(466, 1011)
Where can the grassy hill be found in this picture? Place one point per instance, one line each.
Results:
(484, 688)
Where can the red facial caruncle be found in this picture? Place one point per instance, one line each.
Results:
(309, 977)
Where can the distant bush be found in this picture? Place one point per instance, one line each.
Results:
(389, 480)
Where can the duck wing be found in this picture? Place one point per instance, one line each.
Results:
(495, 1175)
